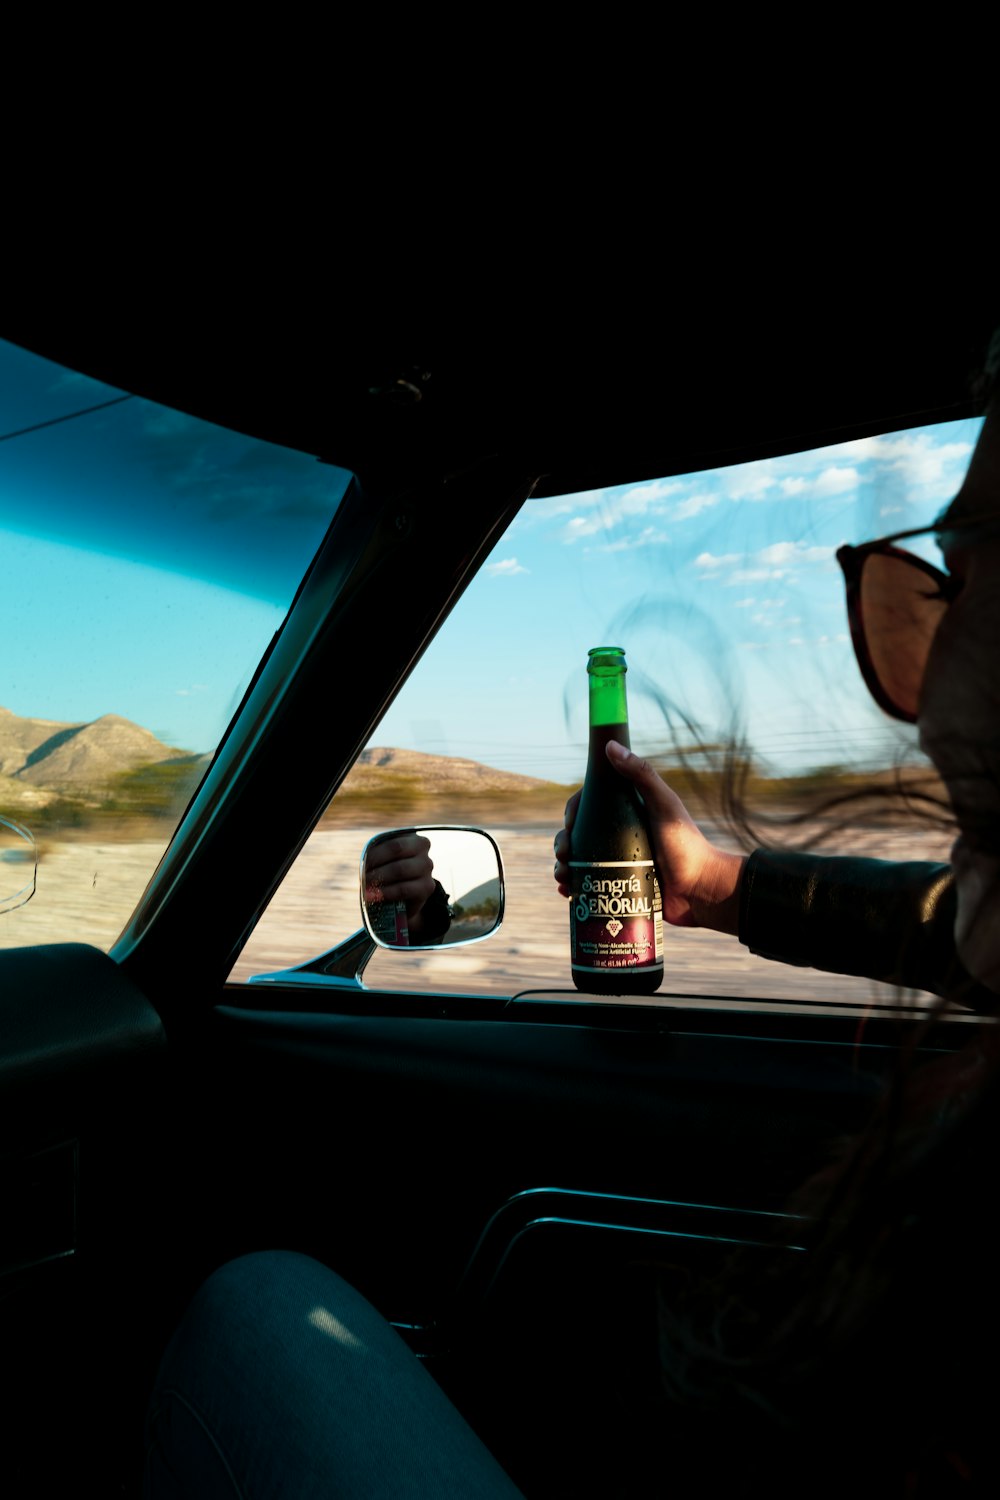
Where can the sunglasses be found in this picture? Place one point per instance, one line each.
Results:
(895, 603)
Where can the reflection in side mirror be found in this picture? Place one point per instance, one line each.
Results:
(424, 887)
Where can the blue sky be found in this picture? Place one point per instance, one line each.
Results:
(723, 588)
(148, 558)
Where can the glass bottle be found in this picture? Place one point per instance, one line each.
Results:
(616, 923)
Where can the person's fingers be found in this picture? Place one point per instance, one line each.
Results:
(415, 891)
(657, 796)
(404, 846)
(402, 869)
(408, 878)
(561, 845)
(561, 869)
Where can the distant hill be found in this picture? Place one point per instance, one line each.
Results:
(114, 766)
(42, 756)
(112, 770)
(438, 775)
(20, 738)
(398, 785)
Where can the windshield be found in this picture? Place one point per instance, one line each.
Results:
(148, 558)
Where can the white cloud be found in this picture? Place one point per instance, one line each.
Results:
(505, 569)
(749, 482)
(654, 491)
(774, 562)
(744, 603)
(891, 510)
(755, 575)
(585, 526)
(834, 481)
(757, 481)
(917, 461)
(610, 507)
(927, 462)
(767, 613)
(778, 554)
(693, 506)
(648, 537)
(919, 458)
(552, 506)
(781, 553)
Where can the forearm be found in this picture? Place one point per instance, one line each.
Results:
(883, 920)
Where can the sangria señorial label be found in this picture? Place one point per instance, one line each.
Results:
(615, 916)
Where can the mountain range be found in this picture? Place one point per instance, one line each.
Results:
(41, 759)
(436, 773)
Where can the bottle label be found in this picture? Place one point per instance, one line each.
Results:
(616, 915)
(388, 920)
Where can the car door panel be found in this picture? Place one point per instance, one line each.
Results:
(449, 1119)
(516, 1191)
(83, 1102)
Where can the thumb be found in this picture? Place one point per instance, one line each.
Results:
(643, 776)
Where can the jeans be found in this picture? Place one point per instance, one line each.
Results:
(283, 1380)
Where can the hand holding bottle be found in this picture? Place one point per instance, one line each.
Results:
(401, 869)
(699, 882)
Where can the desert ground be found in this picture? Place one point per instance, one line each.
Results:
(86, 891)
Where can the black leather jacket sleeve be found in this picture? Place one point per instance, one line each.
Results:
(873, 917)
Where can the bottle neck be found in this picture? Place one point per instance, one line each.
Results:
(608, 720)
(608, 705)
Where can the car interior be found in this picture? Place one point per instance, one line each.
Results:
(512, 1180)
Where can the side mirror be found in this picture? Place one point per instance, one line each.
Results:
(424, 887)
(18, 864)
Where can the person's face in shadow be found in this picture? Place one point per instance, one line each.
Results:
(959, 713)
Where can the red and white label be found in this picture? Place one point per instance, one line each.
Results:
(615, 916)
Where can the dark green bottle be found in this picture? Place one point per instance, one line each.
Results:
(615, 921)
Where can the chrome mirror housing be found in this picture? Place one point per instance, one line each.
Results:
(432, 886)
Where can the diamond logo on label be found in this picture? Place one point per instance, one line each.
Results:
(614, 926)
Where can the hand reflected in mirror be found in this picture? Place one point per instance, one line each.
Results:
(407, 898)
(407, 906)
